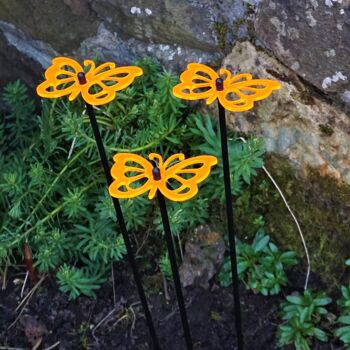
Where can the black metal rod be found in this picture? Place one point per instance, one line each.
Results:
(230, 222)
(174, 269)
(121, 221)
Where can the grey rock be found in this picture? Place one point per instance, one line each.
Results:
(34, 329)
(15, 64)
(169, 55)
(204, 255)
(310, 37)
(302, 127)
(61, 23)
(175, 32)
(270, 136)
(177, 22)
(32, 49)
(346, 97)
(286, 140)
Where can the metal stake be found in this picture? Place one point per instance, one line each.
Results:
(173, 263)
(230, 222)
(120, 217)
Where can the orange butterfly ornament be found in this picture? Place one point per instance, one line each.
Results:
(237, 93)
(176, 178)
(97, 86)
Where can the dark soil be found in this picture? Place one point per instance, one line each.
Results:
(71, 323)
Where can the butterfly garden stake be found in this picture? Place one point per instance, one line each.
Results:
(176, 179)
(237, 94)
(98, 86)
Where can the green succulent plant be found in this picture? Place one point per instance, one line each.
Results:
(53, 194)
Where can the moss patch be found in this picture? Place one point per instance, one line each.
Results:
(237, 24)
(221, 31)
(326, 129)
(321, 205)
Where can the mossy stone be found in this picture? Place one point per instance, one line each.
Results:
(326, 129)
(321, 205)
(64, 27)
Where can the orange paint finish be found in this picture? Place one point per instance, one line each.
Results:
(239, 92)
(102, 82)
(137, 177)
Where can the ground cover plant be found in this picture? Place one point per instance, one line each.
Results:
(303, 315)
(261, 265)
(343, 321)
(53, 197)
(55, 209)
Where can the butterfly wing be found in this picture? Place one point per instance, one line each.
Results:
(198, 81)
(132, 175)
(241, 91)
(61, 79)
(187, 173)
(105, 80)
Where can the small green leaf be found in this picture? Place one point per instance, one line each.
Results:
(261, 244)
(294, 299)
(320, 334)
(344, 319)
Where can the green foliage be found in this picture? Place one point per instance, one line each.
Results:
(76, 282)
(16, 127)
(135, 210)
(75, 203)
(259, 222)
(244, 158)
(52, 247)
(261, 265)
(313, 302)
(343, 332)
(165, 267)
(99, 241)
(303, 315)
(299, 331)
(53, 195)
(179, 217)
(344, 301)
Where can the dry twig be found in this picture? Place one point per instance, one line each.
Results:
(113, 286)
(53, 346)
(4, 276)
(295, 220)
(166, 292)
(143, 243)
(24, 284)
(103, 321)
(25, 301)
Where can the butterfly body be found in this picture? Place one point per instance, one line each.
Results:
(174, 169)
(239, 91)
(102, 82)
